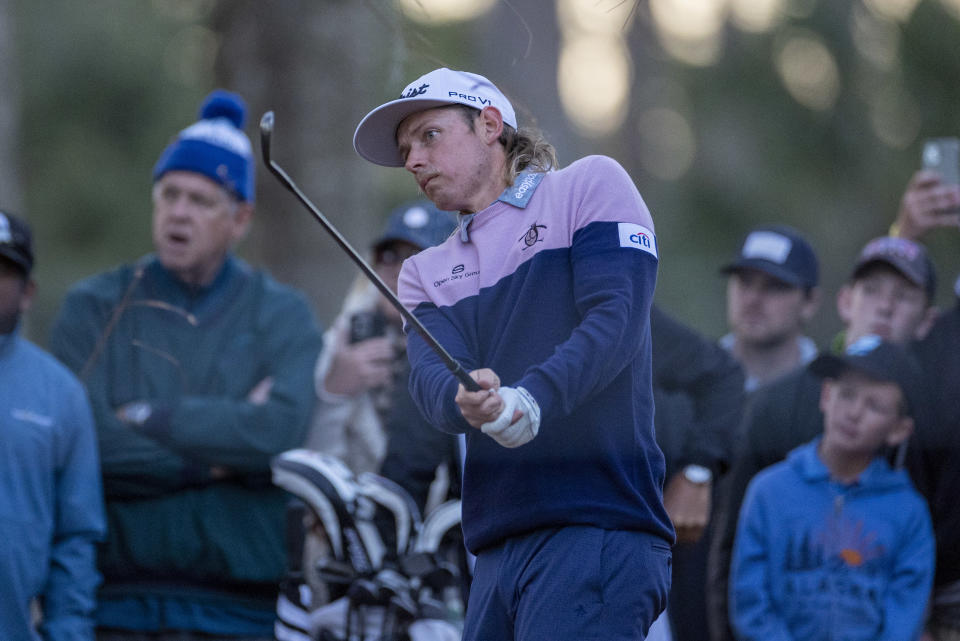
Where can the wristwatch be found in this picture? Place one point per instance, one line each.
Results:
(697, 474)
(136, 413)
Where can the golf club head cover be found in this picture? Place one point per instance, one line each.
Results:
(330, 490)
(442, 520)
(391, 509)
(526, 427)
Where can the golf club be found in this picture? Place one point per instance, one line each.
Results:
(266, 130)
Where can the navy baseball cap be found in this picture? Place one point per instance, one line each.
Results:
(907, 257)
(781, 252)
(880, 360)
(16, 242)
(419, 223)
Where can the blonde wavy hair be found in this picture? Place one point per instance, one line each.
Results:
(527, 148)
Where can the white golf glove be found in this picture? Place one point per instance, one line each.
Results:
(526, 426)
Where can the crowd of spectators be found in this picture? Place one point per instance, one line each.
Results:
(809, 486)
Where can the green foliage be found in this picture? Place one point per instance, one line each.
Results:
(764, 157)
(107, 83)
(99, 104)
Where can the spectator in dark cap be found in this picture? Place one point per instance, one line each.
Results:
(16, 250)
(51, 506)
(772, 292)
(834, 542)
(890, 294)
(698, 391)
(199, 368)
(362, 371)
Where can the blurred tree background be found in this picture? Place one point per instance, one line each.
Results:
(727, 113)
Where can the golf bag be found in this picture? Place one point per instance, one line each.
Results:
(387, 574)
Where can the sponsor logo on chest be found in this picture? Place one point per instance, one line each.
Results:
(458, 273)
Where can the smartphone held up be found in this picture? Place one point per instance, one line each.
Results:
(942, 155)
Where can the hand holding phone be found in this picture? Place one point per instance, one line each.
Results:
(932, 198)
(365, 361)
(364, 325)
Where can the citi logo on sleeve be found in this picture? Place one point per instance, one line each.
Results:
(637, 237)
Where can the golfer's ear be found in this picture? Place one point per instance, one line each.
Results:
(489, 124)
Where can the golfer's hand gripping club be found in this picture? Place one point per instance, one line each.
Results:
(266, 131)
(509, 431)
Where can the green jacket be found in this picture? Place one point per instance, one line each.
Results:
(189, 498)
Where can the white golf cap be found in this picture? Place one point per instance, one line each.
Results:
(376, 135)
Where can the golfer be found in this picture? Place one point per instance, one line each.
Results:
(544, 295)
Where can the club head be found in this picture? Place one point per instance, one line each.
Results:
(417, 564)
(405, 604)
(367, 592)
(334, 571)
(266, 130)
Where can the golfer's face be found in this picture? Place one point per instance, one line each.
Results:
(450, 163)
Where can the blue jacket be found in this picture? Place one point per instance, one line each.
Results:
(51, 506)
(818, 560)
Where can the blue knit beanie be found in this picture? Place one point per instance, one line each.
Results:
(215, 146)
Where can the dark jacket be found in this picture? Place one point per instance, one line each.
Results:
(193, 516)
(936, 469)
(778, 417)
(698, 390)
(415, 449)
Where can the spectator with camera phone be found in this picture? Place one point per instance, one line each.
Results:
(931, 201)
(362, 372)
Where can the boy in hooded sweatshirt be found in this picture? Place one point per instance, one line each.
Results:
(834, 544)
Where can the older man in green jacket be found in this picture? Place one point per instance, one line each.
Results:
(199, 369)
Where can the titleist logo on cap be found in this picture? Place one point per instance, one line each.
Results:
(413, 92)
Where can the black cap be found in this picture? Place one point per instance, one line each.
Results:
(880, 360)
(16, 242)
(419, 223)
(907, 257)
(781, 252)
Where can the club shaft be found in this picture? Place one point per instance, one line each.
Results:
(452, 364)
